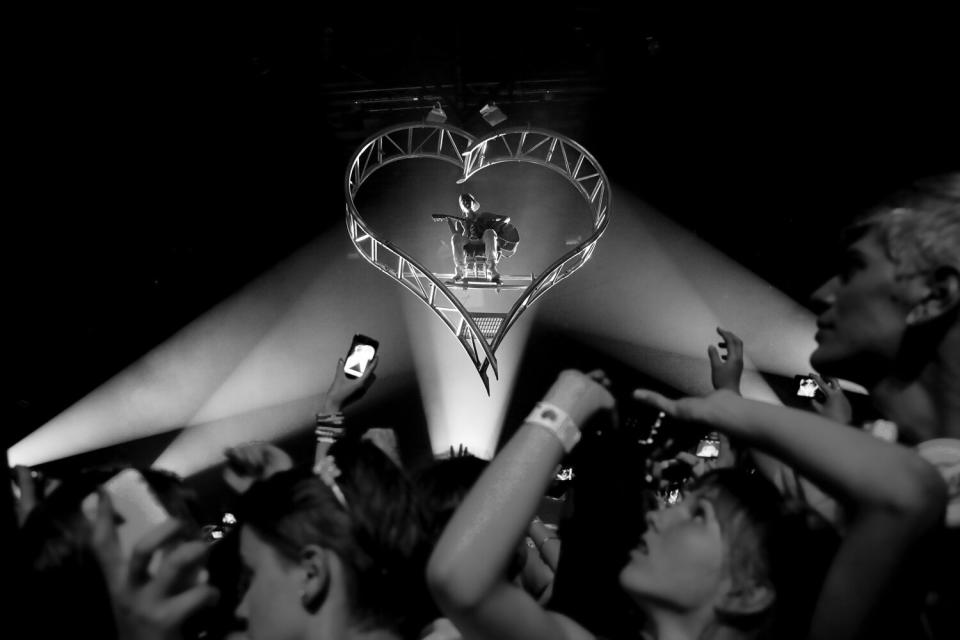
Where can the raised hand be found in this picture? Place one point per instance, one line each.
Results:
(726, 369)
(151, 605)
(663, 469)
(29, 492)
(835, 404)
(344, 389)
(386, 441)
(253, 461)
(580, 394)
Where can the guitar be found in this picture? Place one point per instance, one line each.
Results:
(507, 234)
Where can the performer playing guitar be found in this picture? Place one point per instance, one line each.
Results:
(477, 232)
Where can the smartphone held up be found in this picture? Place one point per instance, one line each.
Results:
(361, 353)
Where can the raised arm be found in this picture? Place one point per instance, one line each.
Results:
(342, 391)
(466, 572)
(726, 370)
(254, 461)
(892, 497)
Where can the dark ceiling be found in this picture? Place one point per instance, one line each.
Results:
(160, 161)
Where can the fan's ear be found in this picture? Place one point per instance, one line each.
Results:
(940, 296)
(315, 563)
(752, 598)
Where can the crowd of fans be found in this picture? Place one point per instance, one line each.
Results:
(805, 526)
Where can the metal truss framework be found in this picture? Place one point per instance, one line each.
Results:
(452, 145)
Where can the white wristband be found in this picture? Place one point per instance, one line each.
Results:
(556, 420)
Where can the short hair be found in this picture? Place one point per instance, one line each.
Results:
(443, 484)
(468, 201)
(378, 536)
(918, 226)
(771, 540)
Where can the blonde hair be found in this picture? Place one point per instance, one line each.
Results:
(918, 227)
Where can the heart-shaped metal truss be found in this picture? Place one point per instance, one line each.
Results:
(479, 333)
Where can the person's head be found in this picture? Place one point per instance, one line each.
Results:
(311, 559)
(443, 484)
(727, 554)
(469, 205)
(898, 287)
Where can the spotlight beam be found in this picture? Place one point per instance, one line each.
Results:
(660, 289)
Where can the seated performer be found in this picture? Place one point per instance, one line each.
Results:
(479, 233)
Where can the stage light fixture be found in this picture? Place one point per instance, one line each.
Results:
(437, 114)
(492, 114)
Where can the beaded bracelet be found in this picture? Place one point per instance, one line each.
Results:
(329, 427)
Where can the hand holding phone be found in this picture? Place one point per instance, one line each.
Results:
(353, 374)
(830, 401)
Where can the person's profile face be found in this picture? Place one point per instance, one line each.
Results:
(863, 320)
(271, 601)
(469, 207)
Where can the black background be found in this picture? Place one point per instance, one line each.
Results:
(158, 160)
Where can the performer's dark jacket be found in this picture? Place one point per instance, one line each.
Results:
(475, 228)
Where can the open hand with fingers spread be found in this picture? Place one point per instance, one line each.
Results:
(726, 369)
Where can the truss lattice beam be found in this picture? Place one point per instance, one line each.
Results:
(449, 144)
